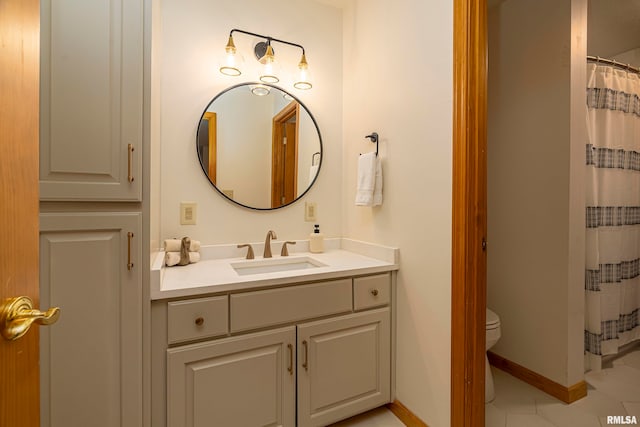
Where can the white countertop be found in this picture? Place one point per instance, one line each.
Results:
(214, 273)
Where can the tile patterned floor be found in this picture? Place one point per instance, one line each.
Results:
(613, 391)
(379, 417)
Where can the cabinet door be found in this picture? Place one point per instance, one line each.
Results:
(91, 362)
(241, 381)
(91, 99)
(343, 366)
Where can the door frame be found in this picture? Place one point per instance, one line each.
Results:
(212, 151)
(469, 212)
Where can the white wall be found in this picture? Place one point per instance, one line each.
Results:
(154, 130)
(536, 134)
(613, 27)
(398, 82)
(631, 57)
(192, 37)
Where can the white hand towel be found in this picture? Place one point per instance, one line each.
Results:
(377, 190)
(366, 179)
(174, 245)
(173, 258)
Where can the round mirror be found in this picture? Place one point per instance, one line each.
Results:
(259, 146)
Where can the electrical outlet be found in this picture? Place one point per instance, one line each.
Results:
(310, 211)
(188, 213)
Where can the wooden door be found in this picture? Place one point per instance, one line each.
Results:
(344, 366)
(19, 70)
(241, 381)
(284, 156)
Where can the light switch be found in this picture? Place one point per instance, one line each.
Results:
(188, 213)
(310, 211)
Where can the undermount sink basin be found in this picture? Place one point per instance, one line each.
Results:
(274, 265)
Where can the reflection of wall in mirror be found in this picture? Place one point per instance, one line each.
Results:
(244, 146)
(307, 134)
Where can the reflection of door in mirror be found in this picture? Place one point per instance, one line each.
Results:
(207, 143)
(284, 156)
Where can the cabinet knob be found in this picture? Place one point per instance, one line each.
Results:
(200, 321)
(374, 292)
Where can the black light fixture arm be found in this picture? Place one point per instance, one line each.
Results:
(269, 39)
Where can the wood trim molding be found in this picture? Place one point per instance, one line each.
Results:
(564, 393)
(468, 263)
(403, 413)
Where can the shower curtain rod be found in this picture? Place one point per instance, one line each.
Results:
(613, 62)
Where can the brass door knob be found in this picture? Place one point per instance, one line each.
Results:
(200, 321)
(374, 292)
(17, 315)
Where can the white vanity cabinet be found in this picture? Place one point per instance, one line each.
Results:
(239, 381)
(298, 355)
(91, 114)
(344, 366)
(91, 362)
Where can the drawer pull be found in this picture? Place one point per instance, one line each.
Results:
(305, 364)
(374, 292)
(200, 321)
(290, 368)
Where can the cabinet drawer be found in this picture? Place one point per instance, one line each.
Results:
(259, 309)
(197, 318)
(371, 291)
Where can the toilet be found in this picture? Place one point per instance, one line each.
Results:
(492, 337)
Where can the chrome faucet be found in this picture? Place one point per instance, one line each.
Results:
(267, 243)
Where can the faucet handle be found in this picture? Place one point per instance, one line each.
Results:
(285, 251)
(249, 252)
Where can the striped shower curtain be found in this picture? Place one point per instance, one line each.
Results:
(612, 280)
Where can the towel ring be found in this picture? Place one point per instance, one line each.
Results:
(374, 138)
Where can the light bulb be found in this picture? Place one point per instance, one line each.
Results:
(268, 70)
(260, 90)
(230, 66)
(303, 81)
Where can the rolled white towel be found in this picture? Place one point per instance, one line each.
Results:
(174, 245)
(173, 258)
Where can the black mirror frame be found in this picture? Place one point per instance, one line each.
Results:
(313, 119)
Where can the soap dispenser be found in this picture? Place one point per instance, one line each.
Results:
(316, 240)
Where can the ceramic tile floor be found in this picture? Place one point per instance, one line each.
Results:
(613, 391)
(379, 417)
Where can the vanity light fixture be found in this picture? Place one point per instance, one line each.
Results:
(266, 56)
